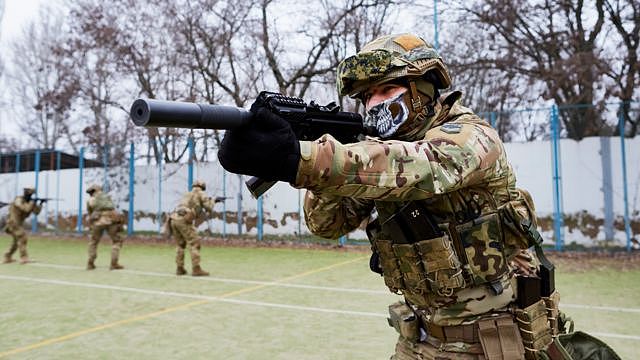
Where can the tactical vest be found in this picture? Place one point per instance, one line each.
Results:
(190, 206)
(427, 251)
(102, 202)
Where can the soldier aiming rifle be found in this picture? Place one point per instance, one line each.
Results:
(194, 208)
(449, 229)
(23, 206)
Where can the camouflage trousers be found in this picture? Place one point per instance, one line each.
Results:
(406, 350)
(185, 234)
(113, 231)
(19, 242)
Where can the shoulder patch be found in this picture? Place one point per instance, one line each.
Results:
(451, 128)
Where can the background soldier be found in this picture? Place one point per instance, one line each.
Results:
(182, 224)
(449, 227)
(103, 217)
(19, 210)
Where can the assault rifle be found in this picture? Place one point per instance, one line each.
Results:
(3, 204)
(309, 121)
(218, 199)
(44, 200)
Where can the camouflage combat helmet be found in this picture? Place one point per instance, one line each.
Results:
(29, 190)
(93, 188)
(388, 58)
(200, 184)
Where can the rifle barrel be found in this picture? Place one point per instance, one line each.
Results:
(161, 113)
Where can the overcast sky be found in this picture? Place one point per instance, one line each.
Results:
(16, 14)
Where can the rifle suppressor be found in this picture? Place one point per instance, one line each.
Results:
(159, 113)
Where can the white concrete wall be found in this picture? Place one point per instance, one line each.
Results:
(581, 176)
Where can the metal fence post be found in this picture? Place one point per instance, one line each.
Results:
(239, 204)
(259, 218)
(159, 215)
(190, 163)
(105, 165)
(224, 204)
(132, 178)
(17, 174)
(557, 179)
(607, 187)
(46, 190)
(36, 165)
(493, 119)
(299, 214)
(623, 153)
(342, 240)
(57, 221)
(80, 170)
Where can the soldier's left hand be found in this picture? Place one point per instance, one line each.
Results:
(266, 148)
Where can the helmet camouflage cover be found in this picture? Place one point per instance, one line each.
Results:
(200, 184)
(93, 188)
(388, 58)
(29, 190)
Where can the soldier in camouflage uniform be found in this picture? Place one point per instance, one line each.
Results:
(182, 225)
(19, 210)
(103, 218)
(448, 227)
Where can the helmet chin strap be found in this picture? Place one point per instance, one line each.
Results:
(427, 89)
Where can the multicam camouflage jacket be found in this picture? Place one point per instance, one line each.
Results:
(20, 209)
(193, 205)
(458, 170)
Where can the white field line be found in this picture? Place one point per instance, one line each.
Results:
(602, 308)
(232, 301)
(615, 336)
(225, 280)
(310, 287)
(187, 295)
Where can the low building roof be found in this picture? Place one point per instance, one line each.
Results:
(25, 160)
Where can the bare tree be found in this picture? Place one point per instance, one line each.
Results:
(222, 63)
(489, 91)
(623, 58)
(39, 83)
(136, 42)
(92, 66)
(552, 42)
(363, 22)
(1, 17)
(319, 43)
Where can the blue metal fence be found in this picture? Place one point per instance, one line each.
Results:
(556, 134)
(518, 119)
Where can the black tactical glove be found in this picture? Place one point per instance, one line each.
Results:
(266, 148)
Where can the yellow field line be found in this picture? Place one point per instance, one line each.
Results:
(164, 311)
(100, 327)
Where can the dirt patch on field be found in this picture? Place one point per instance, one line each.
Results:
(579, 261)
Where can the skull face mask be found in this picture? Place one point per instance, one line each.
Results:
(387, 117)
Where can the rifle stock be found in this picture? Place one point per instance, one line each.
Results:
(308, 121)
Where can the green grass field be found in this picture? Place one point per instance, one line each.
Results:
(258, 303)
